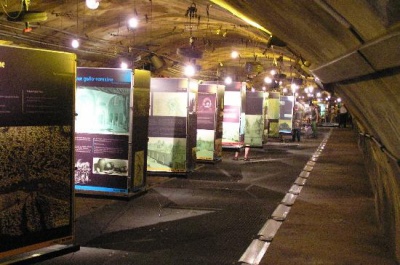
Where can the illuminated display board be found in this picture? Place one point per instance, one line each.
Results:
(172, 126)
(209, 122)
(254, 124)
(102, 129)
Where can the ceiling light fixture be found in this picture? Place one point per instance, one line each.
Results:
(124, 65)
(234, 54)
(189, 70)
(92, 4)
(133, 23)
(228, 80)
(268, 80)
(75, 43)
(294, 87)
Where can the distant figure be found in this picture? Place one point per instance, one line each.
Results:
(332, 115)
(246, 154)
(297, 123)
(314, 119)
(342, 116)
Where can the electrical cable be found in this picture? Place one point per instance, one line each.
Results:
(8, 15)
(381, 146)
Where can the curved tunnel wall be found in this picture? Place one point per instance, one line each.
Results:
(374, 104)
(369, 84)
(354, 48)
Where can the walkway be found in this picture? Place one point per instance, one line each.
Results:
(216, 214)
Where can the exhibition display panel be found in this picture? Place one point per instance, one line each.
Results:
(265, 117)
(286, 114)
(209, 122)
(233, 115)
(254, 118)
(138, 138)
(273, 113)
(172, 125)
(37, 148)
(109, 146)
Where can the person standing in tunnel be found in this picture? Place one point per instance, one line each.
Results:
(342, 116)
(314, 119)
(297, 122)
(246, 153)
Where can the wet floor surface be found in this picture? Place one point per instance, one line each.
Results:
(213, 214)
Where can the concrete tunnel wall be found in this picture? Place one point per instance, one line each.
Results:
(374, 106)
(371, 90)
(354, 49)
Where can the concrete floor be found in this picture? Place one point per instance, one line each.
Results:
(216, 213)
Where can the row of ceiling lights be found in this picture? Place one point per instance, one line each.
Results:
(189, 70)
(132, 23)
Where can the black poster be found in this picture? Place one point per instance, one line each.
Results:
(36, 142)
(102, 163)
(35, 87)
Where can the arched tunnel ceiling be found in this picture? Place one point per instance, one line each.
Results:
(313, 33)
(164, 27)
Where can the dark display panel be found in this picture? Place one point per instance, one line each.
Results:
(36, 142)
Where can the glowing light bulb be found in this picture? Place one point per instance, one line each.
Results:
(124, 65)
(228, 80)
(190, 70)
(75, 43)
(294, 87)
(133, 23)
(234, 54)
(268, 80)
(92, 4)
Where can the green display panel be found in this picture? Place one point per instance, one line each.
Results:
(254, 124)
(172, 125)
(273, 113)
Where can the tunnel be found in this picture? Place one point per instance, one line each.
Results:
(348, 49)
